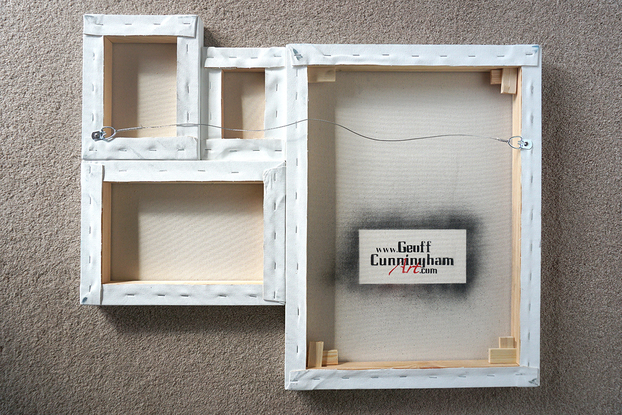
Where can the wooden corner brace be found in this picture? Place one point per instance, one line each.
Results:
(318, 357)
(330, 358)
(315, 354)
(321, 74)
(507, 78)
(505, 354)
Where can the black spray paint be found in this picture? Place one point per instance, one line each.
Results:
(347, 267)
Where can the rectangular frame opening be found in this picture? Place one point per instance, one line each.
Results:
(209, 233)
(333, 215)
(243, 103)
(140, 84)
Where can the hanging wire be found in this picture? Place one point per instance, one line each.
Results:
(102, 135)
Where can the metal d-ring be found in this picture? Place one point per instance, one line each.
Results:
(101, 134)
(522, 144)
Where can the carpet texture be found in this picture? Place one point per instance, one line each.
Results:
(59, 357)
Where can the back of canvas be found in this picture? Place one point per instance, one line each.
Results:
(438, 183)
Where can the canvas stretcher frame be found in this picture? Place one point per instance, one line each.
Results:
(311, 63)
(191, 155)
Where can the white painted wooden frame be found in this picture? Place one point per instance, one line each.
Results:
(98, 29)
(176, 159)
(526, 282)
(93, 291)
(273, 62)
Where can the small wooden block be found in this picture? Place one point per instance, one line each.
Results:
(495, 77)
(509, 79)
(506, 342)
(321, 75)
(500, 356)
(330, 357)
(315, 353)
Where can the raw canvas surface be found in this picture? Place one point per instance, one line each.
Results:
(59, 357)
(406, 185)
(144, 88)
(187, 232)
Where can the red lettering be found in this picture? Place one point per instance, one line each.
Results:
(415, 268)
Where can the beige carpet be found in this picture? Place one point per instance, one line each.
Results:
(59, 357)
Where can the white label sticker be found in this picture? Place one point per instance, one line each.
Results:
(412, 256)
